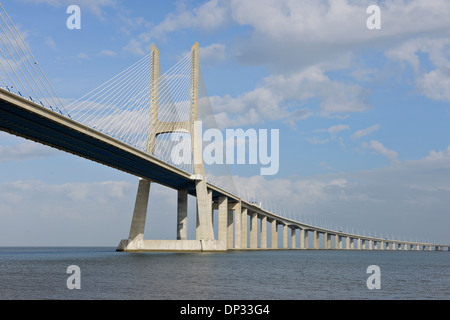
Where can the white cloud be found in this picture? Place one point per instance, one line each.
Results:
(274, 99)
(324, 166)
(86, 213)
(108, 53)
(439, 155)
(135, 47)
(50, 43)
(379, 148)
(27, 150)
(213, 53)
(315, 26)
(364, 132)
(95, 7)
(208, 16)
(434, 83)
(317, 140)
(83, 56)
(334, 130)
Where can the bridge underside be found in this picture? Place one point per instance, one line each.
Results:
(33, 126)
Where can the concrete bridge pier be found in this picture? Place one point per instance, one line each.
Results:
(253, 230)
(244, 236)
(230, 235)
(285, 236)
(293, 237)
(316, 239)
(274, 231)
(263, 244)
(303, 233)
(182, 211)
(136, 235)
(327, 240)
(306, 242)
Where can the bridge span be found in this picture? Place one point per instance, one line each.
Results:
(242, 225)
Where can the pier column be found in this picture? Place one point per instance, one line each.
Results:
(336, 241)
(244, 226)
(211, 206)
(347, 243)
(316, 242)
(293, 238)
(382, 245)
(263, 232)
(182, 210)
(306, 243)
(328, 241)
(285, 236)
(230, 231)
(140, 211)
(302, 239)
(274, 241)
(253, 230)
(340, 241)
(358, 243)
(237, 226)
(370, 244)
(223, 220)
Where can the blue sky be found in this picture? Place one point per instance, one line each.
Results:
(363, 114)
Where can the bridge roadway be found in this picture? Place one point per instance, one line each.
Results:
(24, 118)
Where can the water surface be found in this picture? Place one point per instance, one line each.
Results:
(40, 273)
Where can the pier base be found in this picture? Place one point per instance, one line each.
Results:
(171, 246)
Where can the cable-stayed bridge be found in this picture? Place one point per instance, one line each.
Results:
(146, 122)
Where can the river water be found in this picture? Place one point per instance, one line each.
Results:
(41, 273)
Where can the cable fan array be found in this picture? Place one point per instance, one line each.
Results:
(20, 73)
(121, 109)
(122, 106)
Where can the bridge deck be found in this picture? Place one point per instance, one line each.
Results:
(28, 120)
